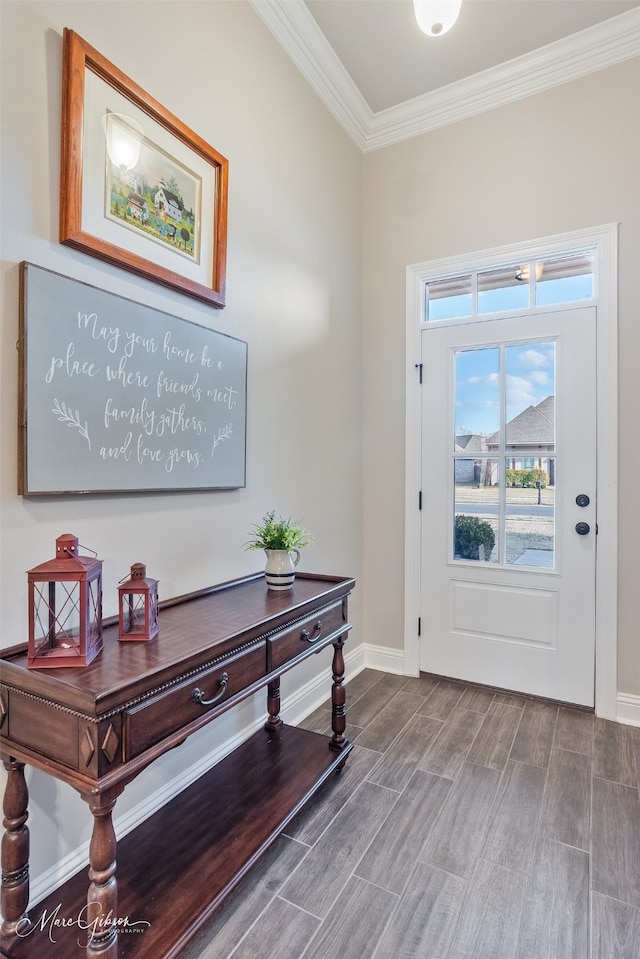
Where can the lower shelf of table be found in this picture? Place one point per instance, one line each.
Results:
(175, 868)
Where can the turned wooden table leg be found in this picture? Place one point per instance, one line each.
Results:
(273, 706)
(102, 897)
(15, 849)
(338, 698)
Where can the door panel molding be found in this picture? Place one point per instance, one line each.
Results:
(603, 241)
(473, 602)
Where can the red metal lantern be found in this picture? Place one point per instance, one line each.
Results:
(138, 606)
(65, 608)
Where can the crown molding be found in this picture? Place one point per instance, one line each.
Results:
(595, 48)
(302, 39)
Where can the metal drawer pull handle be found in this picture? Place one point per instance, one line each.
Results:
(198, 696)
(305, 636)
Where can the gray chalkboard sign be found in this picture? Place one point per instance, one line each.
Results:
(116, 396)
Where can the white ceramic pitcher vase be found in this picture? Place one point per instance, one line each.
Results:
(280, 570)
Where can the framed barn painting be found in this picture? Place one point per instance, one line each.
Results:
(139, 189)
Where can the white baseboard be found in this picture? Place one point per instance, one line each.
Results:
(628, 709)
(297, 706)
(308, 697)
(385, 659)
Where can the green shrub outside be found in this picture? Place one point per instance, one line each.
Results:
(470, 533)
(527, 479)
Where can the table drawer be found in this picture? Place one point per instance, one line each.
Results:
(318, 629)
(207, 691)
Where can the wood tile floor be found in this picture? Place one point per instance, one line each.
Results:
(465, 824)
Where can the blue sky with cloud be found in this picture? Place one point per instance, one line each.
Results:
(529, 378)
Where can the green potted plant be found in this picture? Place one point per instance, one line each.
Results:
(282, 540)
(470, 533)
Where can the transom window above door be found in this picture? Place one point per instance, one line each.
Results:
(511, 287)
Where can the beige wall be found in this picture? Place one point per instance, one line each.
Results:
(563, 160)
(293, 292)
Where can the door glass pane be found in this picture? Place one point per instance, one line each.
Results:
(530, 512)
(530, 397)
(476, 510)
(517, 527)
(477, 398)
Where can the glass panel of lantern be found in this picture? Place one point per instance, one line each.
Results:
(138, 606)
(65, 608)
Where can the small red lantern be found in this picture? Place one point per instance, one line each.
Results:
(65, 608)
(138, 605)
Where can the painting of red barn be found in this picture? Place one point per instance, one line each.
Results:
(149, 191)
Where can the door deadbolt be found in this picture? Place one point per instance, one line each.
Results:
(582, 499)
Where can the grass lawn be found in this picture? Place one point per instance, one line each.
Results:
(468, 493)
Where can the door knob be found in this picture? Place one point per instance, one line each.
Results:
(582, 529)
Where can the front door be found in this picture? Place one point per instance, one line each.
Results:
(508, 521)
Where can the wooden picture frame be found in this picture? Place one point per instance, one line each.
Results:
(160, 213)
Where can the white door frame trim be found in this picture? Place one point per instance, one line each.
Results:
(604, 240)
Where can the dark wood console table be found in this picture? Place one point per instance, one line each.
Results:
(97, 727)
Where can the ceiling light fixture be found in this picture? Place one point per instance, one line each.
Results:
(523, 273)
(124, 137)
(435, 17)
